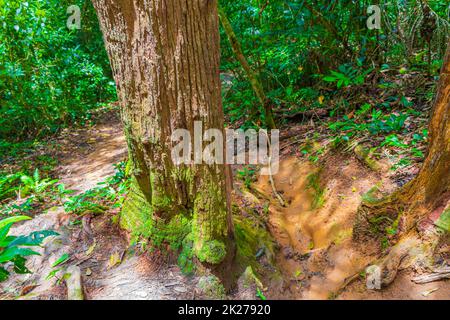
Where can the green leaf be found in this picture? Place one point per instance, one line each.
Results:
(33, 239)
(61, 260)
(36, 176)
(329, 79)
(6, 241)
(7, 221)
(27, 181)
(3, 274)
(10, 253)
(52, 273)
(19, 265)
(4, 232)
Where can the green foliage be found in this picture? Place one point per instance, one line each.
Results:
(9, 184)
(35, 185)
(377, 124)
(247, 175)
(56, 266)
(347, 76)
(304, 49)
(29, 191)
(15, 249)
(49, 76)
(110, 193)
(260, 294)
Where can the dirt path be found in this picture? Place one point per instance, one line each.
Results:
(314, 232)
(88, 157)
(92, 154)
(317, 256)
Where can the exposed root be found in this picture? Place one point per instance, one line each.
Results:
(413, 250)
(438, 274)
(372, 218)
(74, 286)
(269, 167)
(274, 189)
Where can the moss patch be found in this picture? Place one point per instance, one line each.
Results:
(444, 221)
(136, 210)
(212, 251)
(319, 192)
(250, 240)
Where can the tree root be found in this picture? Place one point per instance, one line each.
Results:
(74, 285)
(413, 250)
(438, 274)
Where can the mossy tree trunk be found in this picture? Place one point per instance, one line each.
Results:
(252, 76)
(430, 190)
(165, 57)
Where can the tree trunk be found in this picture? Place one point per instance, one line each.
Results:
(430, 190)
(165, 57)
(251, 75)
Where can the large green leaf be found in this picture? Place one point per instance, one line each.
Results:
(3, 274)
(7, 221)
(10, 253)
(4, 232)
(33, 239)
(19, 265)
(6, 241)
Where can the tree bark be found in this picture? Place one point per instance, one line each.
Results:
(430, 190)
(165, 57)
(251, 75)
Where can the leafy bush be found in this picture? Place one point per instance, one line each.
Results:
(347, 75)
(35, 185)
(14, 249)
(9, 184)
(48, 76)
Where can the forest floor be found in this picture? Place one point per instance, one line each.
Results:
(109, 269)
(316, 256)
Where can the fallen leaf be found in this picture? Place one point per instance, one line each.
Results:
(88, 272)
(428, 292)
(354, 189)
(27, 289)
(91, 248)
(321, 99)
(114, 259)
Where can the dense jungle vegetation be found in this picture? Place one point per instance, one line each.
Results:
(359, 78)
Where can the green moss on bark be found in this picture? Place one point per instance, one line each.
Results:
(212, 252)
(251, 241)
(209, 225)
(136, 210)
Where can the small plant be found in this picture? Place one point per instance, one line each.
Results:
(347, 75)
(87, 202)
(319, 192)
(109, 193)
(35, 185)
(9, 184)
(56, 266)
(14, 248)
(260, 294)
(247, 175)
(62, 192)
